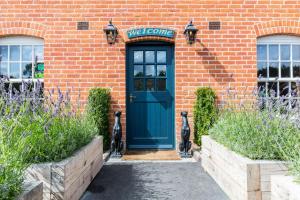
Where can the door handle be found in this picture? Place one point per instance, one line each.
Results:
(131, 97)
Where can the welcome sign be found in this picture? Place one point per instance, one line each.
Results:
(141, 32)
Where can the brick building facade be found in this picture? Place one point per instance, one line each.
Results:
(83, 58)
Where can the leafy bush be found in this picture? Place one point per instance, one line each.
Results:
(98, 110)
(262, 129)
(35, 129)
(205, 112)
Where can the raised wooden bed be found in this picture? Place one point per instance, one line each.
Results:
(284, 187)
(240, 178)
(32, 191)
(69, 178)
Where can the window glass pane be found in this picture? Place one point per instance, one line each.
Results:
(149, 56)
(273, 52)
(285, 52)
(296, 69)
(39, 53)
(161, 70)
(150, 70)
(161, 56)
(284, 89)
(294, 89)
(272, 89)
(150, 84)
(14, 70)
(39, 70)
(161, 84)
(14, 53)
(27, 70)
(3, 53)
(262, 52)
(26, 53)
(296, 52)
(262, 69)
(138, 84)
(3, 69)
(138, 71)
(285, 69)
(273, 69)
(138, 57)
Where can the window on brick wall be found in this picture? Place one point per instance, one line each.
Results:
(22, 61)
(278, 66)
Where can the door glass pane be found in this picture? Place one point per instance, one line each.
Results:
(161, 84)
(138, 57)
(285, 69)
(3, 53)
(284, 89)
(161, 70)
(39, 53)
(150, 70)
(149, 56)
(296, 69)
(138, 84)
(273, 52)
(138, 71)
(3, 69)
(273, 69)
(285, 52)
(14, 53)
(272, 89)
(161, 56)
(26, 70)
(26, 53)
(262, 69)
(296, 52)
(14, 70)
(150, 84)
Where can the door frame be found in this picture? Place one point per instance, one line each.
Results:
(172, 48)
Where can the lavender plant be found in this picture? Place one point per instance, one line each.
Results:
(260, 126)
(36, 128)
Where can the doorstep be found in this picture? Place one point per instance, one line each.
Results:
(151, 155)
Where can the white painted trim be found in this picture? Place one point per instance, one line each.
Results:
(21, 40)
(279, 39)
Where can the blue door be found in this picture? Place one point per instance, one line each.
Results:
(150, 96)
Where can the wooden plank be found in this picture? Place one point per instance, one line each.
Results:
(240, 177)
(72, 175)
(284, 188)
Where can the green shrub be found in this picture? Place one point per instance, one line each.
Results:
(205, 112)
(98, 110)
(34, 130)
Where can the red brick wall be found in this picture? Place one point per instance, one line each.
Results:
(83, 59)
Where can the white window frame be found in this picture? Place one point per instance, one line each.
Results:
(279, 40)
(22, 41)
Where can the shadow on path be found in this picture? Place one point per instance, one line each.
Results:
(153, 180)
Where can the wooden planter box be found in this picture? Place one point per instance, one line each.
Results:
(69, 178)
(240, 178)
(32, 191)
(284, 187)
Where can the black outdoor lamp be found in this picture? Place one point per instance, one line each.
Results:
(190, 32)
(111, 32)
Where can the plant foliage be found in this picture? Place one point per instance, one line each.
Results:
(36, 129)
(261, 128)
(205, 112)
(98, 110)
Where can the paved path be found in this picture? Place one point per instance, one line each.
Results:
(153, 180)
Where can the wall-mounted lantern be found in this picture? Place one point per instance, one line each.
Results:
(190, 32)
(111, 32)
